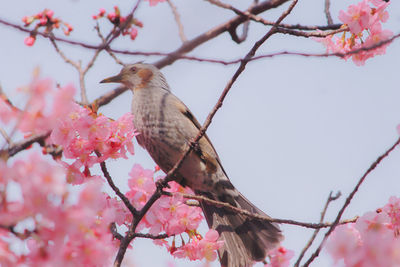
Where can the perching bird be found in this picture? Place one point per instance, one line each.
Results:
(166, 127)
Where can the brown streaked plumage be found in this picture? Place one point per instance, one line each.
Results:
(166, 126)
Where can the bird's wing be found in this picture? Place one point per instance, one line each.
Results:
(206, 150)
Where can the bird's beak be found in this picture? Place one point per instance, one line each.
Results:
(113, 79)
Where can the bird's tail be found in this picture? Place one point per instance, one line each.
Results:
(246, 239)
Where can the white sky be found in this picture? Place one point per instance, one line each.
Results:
(291, 130)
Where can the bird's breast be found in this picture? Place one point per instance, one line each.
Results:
(158, 128)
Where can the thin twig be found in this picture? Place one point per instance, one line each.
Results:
(24, 144)
(311, 34)
(6, 137)
(91, 62)
(135, 221)
(178, 21)
(108, 97)
(316, 231)
(114, 34)
(76, 65)
(259, 19)
(327, 12)
(243, 36)
(256, 215)
(193, 43)
(348, 200)
(214, 32)
(118, 192)
(84, 98)
(104, 45)
(114, 232)
(61, 53)
(141, 235)
(236, 61)
(97, 28)
(190, 44)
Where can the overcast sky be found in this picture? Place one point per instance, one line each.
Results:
(292, 128)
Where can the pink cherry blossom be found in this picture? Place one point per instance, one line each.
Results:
(45, 20)
(210, 244)
(379, 3)
(120, 213)
(362, 20)
(118, 20)
(28, 20)
(7, 256)
(82, 132)
(174, 216)
(133, 33)
(111, 16)
(392, 209)
(155, 2)
(102, 11)
(198, 249)
(376, 36)
(371, 241)
(279, 257)
(67, 232)
(357, 16)
(380, 14)
(29, 41)
(141, 185)
(38, 116)
(49, 13)
(170, 215)
(373, 221)
(343, 242)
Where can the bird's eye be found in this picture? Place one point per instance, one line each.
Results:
(133, 69)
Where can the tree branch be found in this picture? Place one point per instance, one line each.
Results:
(6, 137)
(259, 19)
(316, 231)
(348, 200)
(178, 21)
(22, 145)
(214, 32)
(256, 215)
(327, 12)
(118, 192)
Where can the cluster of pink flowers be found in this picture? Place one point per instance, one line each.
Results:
(279, 257)
(200, 248)
(372, 241)
(47, 20)
(117, 19)
(168, 214)
(364, 18)
(82, 133)
(57, 230)
(172, 216)
(38, 116)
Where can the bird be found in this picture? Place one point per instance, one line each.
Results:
(166, 127)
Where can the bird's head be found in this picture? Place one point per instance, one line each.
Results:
(139, 76)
